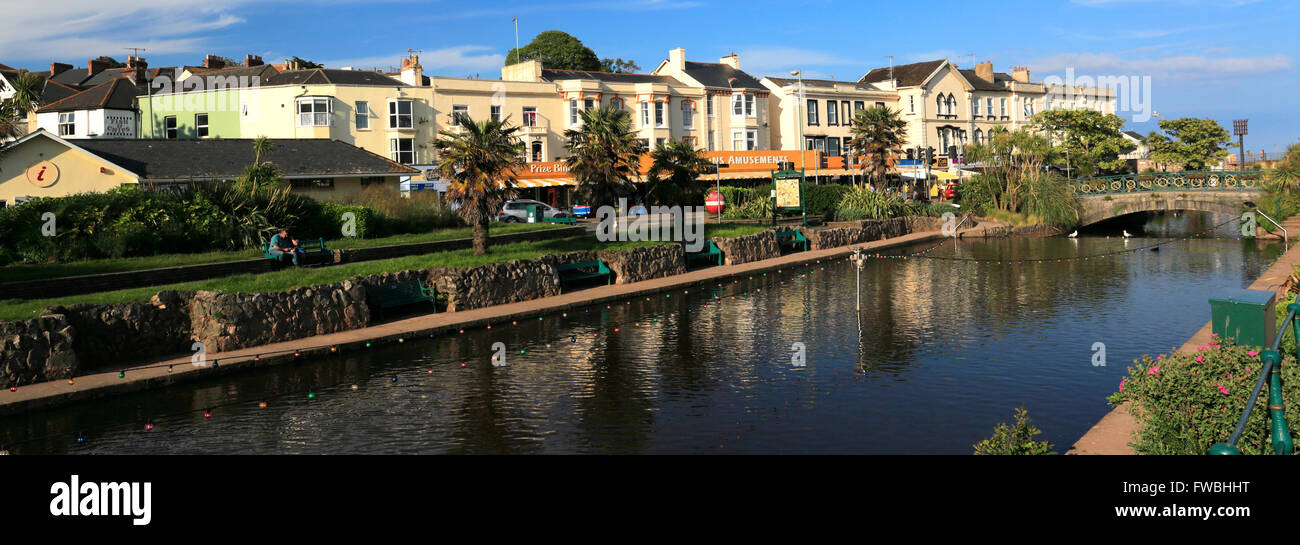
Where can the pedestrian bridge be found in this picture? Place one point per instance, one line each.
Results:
(1221, 192)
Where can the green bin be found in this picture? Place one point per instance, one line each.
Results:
(1246, 316)
(534, 213)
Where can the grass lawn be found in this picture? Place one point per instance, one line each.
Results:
(288, 278)
(14, 273)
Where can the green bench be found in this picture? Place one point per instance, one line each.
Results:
(792, 239)
(583, 270)
(396, 294)
(313, 247)
(566, 221)
(709, 256)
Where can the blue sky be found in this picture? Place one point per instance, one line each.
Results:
(1224, 59)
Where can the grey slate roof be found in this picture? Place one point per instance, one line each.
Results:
(326, 76)
(560, 75)
(908, 75)
(118, 94)
(820, 83)
(711, 74)
(225, 159)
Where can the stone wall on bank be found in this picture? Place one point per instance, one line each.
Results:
(497, 284)
(229, 321)
(645, 263)
(110, 333)
(748, 248)
(845, 233)
(37, 350)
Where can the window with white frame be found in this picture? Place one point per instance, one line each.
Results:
(495, 112)
(400, 114)
(363, 115)
(201, 125)
(749, 105)
(688, 114)
(573, 112)
(846, 117)
(402, 150)
(645, 113)
(659, 114)
(708, 105)
(911, 105)
(1002, 107)
(737, 104)
(988, 107)
(67, 123)
(744, 139)
(530, 116)
(169, 127)
(979, 136)
(832, 113)
(975, 107)
(859, 105)
(313, 112)
(459, 110)
(812, 112)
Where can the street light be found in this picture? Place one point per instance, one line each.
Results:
(799, 121)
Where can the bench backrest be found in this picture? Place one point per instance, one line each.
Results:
(405, 287)
(600, 265)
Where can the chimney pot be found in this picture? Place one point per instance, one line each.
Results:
(253, 60)
(57, 68)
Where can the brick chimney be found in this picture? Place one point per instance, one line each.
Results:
(731, 60)
(524, 71)
(984, 71)
(57, 68)
(252, 60)
(213, 61)
(1020, 74)
(412, 72)
(136, 69)
(95, 66)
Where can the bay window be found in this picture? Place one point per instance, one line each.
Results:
(399, 114)
(402, 150)
(659, 114)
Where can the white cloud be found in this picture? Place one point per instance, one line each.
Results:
(81, 28)
(1173, 67)
(779, 61)
(453, 61)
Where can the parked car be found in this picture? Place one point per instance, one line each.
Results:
(516, 211)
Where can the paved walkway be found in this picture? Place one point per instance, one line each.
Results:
(153, 374)
(1112, 434)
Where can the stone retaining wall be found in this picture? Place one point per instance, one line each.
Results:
(748, 248)
(36, 350)
(229, 321)
(645, 263)
(128, 331)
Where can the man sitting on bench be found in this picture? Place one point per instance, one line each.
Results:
(282, 245)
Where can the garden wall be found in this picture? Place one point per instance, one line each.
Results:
(748, 248)
(645, 263)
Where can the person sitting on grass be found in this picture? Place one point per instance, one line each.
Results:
(282, 244)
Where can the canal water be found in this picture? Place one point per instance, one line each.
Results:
(941, 352)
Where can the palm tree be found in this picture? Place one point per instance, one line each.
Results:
(604, 155)
(674, 176)
(878, 135)
(261, 146)
(13, 111)
(480, 161)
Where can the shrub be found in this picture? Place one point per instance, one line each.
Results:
(751, 209)
(1048, 197)
(1185, 402)
(860, 204)
(1017, 439)
(823, 199)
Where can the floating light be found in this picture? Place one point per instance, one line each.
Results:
(367, 345)
(148, 427)
(169, 368)
(121, 374)
(261, 405)
(463, 364)
(394, 379)
(207, 413)
(522, 351)
(334, 349)
(354, 387)
(13, 388)
(297, 354)
(70, 381)
(311, 395)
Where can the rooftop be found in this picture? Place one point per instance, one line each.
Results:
(225, 159)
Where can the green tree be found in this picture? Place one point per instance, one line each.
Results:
(1017, 439)
(1090, 141)
(303, 64)
(557, 50)
(878, 136)
(604, 155)
(480, 159)
(261, 146)
(1193, 143)
(675, 171)
(619, 66)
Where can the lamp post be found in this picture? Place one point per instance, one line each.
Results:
(1239, 130)
(799, 121)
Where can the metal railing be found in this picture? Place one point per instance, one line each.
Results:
(1272, 372)
(1192, 180)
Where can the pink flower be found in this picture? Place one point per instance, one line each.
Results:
(1252, 353)
(1222, 389)
(1153, 370)
(1121, 384)
(1160, 357)
(1202, 347)
(1214, 334)
(1200, 359)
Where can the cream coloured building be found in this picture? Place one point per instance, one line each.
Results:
(736, 104)
(824, 108)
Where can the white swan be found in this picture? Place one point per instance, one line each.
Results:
(1126, 234)
(1074, 234)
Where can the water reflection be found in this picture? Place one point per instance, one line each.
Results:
(940, 352)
